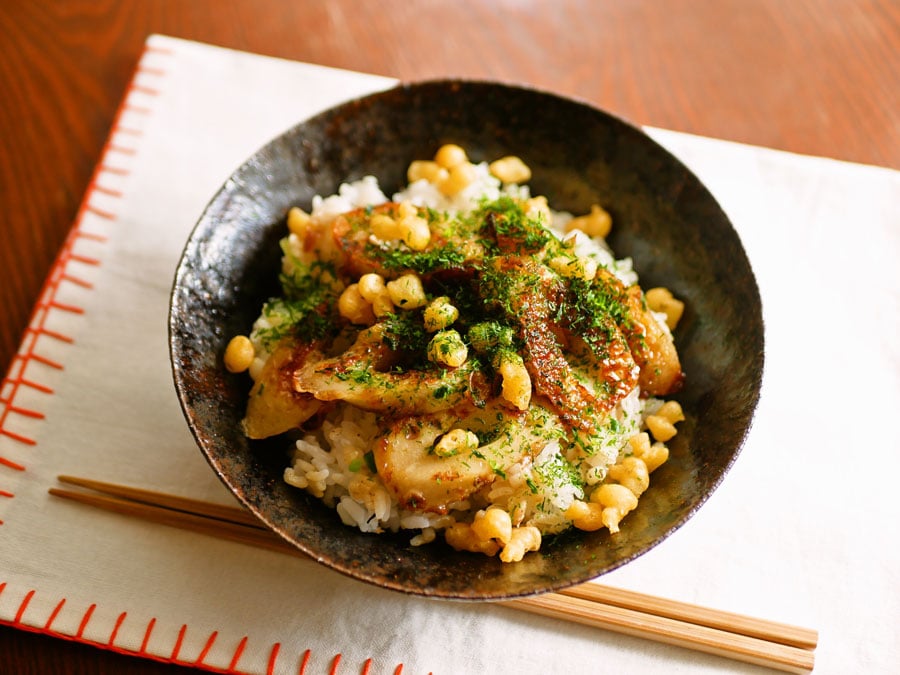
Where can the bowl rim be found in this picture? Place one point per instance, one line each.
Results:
(366, 99)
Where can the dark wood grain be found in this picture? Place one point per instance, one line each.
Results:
(811, 76)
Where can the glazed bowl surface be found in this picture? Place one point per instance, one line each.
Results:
(664, 219)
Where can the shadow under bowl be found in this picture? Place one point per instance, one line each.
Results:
(664, 218)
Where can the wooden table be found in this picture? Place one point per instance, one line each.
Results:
(812, 76)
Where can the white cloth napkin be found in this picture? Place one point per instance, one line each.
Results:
(803, 529)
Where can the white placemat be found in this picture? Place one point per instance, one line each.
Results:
(803, 530)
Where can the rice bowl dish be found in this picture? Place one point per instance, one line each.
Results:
(420, 400)
(663, 218)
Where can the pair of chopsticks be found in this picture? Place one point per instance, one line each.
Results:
(766, 643)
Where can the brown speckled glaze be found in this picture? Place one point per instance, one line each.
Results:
(664, 218)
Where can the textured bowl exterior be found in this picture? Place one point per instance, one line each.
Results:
(663, 217)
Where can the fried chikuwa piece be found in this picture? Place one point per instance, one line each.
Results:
(361, 376)
(422, 480)
(274, 406)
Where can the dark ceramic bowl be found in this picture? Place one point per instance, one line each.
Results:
(663, 217)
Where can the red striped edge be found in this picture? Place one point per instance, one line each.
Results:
(115, 170)
(128, 130)
(25, 412)
(109, 191)
(238, 652)
(109, 644)
(85, 619)
(115, 630)
(138, 109)
(210, 641)
(92, 236)
(24, 605)
(31, 384)
(49, 301)
(150, 91)
(178, 642)
(149, 70)
(65, 307)
(106, 215)
(78, 281)
(49, 333)
(123, 149)
(304, 662)
(273, 659)
(153, 49)
(147, 633)
(56, 365)
(54, 614)
(4, 493)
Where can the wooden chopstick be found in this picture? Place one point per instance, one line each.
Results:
(223, 529)
(230, 513)
(670, 631)
(776, 645)
(772, 631)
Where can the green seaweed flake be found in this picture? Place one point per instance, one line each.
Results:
(558, 471)
(403, 258)
(405, 332)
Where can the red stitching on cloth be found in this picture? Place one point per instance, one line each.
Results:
(113, 648)
(110, 644)
(25, 412)
(115, 630)
(54, 614)
(303, 662)
(144, 89)
(398, 669)
(4, 493)
(24, 605)
(106, 190)
(146, 640)
(50, 333)
(210, 641)
(116, 170)
(33, 385)
(87, 260)
(178, 642)
(151, 71)
(37, 322)
(335, 664)
(273, 658)
(54, 304)
(123, 150)
(100, 212)
(238, 651)
(78, 281)
(85, 619)
(367, 666)
(91, 235)
(47, 362)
